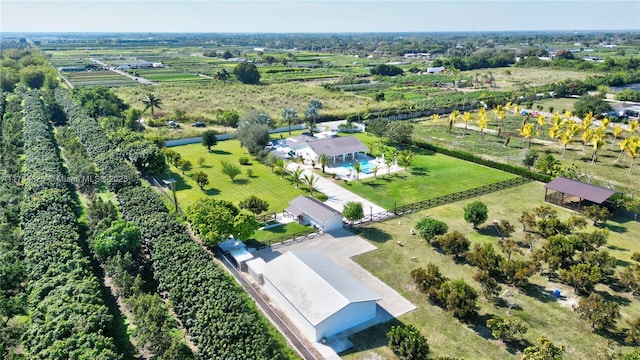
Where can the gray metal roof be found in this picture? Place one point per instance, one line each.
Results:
(315, 285)
(337, 146)
(582, 190)
(314, 208)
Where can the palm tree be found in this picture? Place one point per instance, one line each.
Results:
(357, 167)
(526, 131)
(323, 159)
(547, 164)
(633, 150)
(617, 131)
(309, 181)
(566, 138)
(151, 102)
(501, 115)
(375, 170)
(483, 123)
(541, 122)
(296, 173)
(623, 146)
(453, 116)
(586, 136)
(466, 117)
(290, 116)
(555, 132)
(280, 167)
(597, 141)
(405, 159)
(312, 113)
(388, 162)
(435, 118)
(633, 126)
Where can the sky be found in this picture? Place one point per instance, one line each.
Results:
(278, 16)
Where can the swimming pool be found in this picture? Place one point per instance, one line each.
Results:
(367, 166)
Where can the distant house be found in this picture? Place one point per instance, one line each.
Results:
(72, 68)
(309, 211)
(435, 70)
(318, 295)
(135, 65)
(337, 148)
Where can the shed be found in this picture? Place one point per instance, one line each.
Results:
(255, 267)
(318, 295)
(575, 194)
(308, 210)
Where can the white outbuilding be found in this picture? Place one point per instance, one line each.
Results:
(318, 295)
(309, 211)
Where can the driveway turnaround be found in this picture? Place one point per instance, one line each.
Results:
(338, 196)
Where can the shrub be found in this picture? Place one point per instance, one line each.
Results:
(476, 213)
(458, 297)
(506, 329)
(635, 256)
(428, 280)
(408, 343)
(452, 243)
(243, 160)
(429, 228)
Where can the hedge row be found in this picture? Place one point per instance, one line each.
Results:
(517, 170)
(68, 317)
(215, 310)
(116, 172)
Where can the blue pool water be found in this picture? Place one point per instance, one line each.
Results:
(367, 166)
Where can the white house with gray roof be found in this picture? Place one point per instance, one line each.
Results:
(318, 295)
(341, 148)
(309, 211)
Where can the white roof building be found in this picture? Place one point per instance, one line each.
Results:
(337, 148)
(319, 296)
(308, 210)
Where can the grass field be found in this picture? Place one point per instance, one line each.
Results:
(515, 77)
(98, 78)
(263, 183)
(606, 172)
(430, 175)
(169, 75)
(267, 236)
(543, 314)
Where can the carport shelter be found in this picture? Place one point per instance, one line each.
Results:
(318, 295)
(575, 194)
(308, 210)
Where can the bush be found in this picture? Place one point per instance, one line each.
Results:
(452, 243)
(429, 228)
(428, 280)
(476, 213)
(408, 343)
(458, 297)
(243, 160)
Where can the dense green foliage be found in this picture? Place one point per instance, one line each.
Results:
(475, 213)
(247, 73)
(254, 204)
(215, 311)
(61, 286)
(428, 228)
(408, 343)
(120, 237)
(353, 211)
(386, 70)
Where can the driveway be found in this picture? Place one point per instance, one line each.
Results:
(338, 196)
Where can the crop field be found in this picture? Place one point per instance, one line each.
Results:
(169, 75)
(543, 314)
(98, 78)
(515, 77)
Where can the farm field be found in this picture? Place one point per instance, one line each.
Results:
(430, 175)
(263, 183)
(98, 78)
(536, 306)
(607, 171)
(169, 75)
(516, 77)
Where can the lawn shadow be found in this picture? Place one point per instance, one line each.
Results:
(241, 181)
(372, 338)
(419, 171)
(372, 184)
(205, 166)
(616, 228)
(613, 247)
(373, 234)
(488, 230)
(479, 325)
(620, 262)
(539, 293)
(219, 152)
(212, 192)
(517, 346)
(622, 301)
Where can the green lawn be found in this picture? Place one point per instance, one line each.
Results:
(263, 183)
(447, 336)
(430, 175)
(269, 235)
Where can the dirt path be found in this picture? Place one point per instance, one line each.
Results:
(139, 79)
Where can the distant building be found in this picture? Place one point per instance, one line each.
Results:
(435, 70)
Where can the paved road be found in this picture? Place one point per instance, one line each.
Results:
(338, 196)
(139, 79)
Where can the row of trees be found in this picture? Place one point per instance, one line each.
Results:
(13, 271)
(214, 310)
(61, 284)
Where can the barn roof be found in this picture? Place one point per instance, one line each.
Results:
(580, 189)
(312, 207)
(315, 285)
